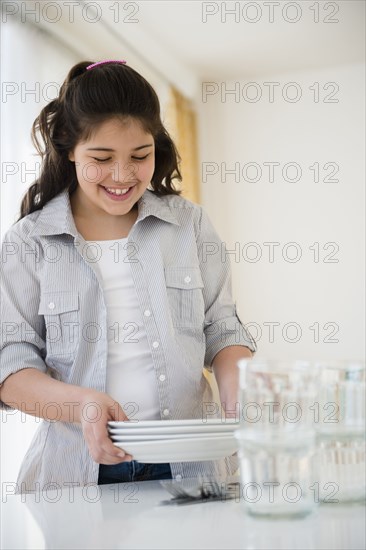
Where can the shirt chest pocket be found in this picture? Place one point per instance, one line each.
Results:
(62, 316)
(184, 289)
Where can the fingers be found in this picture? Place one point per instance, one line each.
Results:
(95, 430)
(101, 448)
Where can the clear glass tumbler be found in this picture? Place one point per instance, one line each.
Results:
(277, 439)
(341, 430)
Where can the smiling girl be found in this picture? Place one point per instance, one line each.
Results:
(116, 291)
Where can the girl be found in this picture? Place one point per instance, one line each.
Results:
(116, 290)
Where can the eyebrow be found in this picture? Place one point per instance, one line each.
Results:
(112, 150)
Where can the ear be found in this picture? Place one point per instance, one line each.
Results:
(71, 156)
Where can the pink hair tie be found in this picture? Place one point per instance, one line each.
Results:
(107, 61)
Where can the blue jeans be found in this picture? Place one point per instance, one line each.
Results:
(132, 471)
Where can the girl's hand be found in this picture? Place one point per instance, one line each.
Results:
(97, 409)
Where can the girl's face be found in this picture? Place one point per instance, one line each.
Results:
(113, 167)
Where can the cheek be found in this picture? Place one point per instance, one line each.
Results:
(90, 172)
(142, 171)
(147, 170)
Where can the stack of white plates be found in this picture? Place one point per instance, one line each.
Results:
(154, 441)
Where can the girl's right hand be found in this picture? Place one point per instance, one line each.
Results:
(96, 409)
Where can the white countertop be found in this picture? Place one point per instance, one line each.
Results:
(130, 516)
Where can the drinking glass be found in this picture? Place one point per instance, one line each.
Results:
(340, 427)
(277, 440)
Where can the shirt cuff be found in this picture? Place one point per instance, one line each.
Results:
(224, 333)
(16, 357)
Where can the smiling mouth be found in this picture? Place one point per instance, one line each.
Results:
(117, 190)
(119, 194)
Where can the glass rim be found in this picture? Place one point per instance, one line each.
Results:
(341, 364)
(276, 365)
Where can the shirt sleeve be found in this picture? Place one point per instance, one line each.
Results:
(22, 341)
(223, 328)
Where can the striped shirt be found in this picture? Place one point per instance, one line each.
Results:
(54, 318)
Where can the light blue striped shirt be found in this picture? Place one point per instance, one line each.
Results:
(54, 319)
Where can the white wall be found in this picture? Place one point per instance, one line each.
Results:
(305, 292)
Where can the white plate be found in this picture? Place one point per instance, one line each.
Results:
(159, 437)
(165, 429)
(180, 450)
(172, 423)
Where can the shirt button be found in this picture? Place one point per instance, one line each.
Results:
(147, 313)
(155, 344)
(178, 478)
(166, 412)
(51, 305)
(162, 377)
(187, 279)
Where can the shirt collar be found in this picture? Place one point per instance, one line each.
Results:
(56, 216)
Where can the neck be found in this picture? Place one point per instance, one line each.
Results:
(97, 225)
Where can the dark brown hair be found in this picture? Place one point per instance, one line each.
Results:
(88, 98)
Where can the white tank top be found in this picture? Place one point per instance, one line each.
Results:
(131, 379)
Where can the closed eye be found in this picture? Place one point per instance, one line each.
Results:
(141, 158)
(101, 160)
(109, 158)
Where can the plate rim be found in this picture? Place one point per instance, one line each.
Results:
(172, 423)
(222, 436)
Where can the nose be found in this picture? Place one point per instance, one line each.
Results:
(123, 172)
